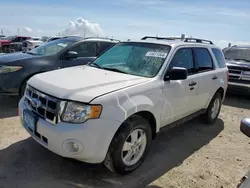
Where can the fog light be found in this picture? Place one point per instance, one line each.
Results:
(75, 146)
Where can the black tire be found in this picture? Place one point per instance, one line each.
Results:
(113, 159)
(208, 115)
(22, 88)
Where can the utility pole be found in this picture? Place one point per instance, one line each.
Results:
(18, 31)
(84, 31)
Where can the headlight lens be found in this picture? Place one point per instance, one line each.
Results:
(78, 113)
(8, 69)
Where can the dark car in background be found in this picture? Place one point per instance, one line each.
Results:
(17, 68)
(238, 63)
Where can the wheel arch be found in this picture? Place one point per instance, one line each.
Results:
(221, 91)
(25, 80)
(149, 117)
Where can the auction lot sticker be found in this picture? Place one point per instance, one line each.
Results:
(156, 54)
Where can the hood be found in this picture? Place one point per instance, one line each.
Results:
(82, 83)
(14, 57)
(236, 63)
(3, 41)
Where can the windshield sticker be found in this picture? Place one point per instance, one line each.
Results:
(156, 54)
(62, 45)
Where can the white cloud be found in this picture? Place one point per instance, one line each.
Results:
(82, 27)
(27, 29)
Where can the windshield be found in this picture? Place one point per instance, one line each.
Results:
(140, 59)
(237, 54)
(51, 48)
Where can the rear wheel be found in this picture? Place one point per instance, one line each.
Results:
(213, 109)
(129, 146)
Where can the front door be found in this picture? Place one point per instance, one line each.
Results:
(180, 95)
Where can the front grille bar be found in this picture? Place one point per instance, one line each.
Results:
(49, 114)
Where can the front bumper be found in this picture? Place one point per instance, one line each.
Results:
(93, 137)
(239, 88)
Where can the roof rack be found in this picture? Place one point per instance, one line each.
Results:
(182, 38)
(102, 38)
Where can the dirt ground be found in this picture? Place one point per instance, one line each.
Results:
(192, 155)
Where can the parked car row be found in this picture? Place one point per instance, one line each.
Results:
(17, 68)
(100, 100)
(23, 43)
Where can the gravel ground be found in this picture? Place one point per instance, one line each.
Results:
(192, 155)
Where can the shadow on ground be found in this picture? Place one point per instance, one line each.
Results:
(27, 164)
(238, 101)
(8, 106)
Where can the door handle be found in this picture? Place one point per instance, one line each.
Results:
(215, 77)
(192, 84)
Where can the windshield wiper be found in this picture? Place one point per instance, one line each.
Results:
(114, 69)
(242, 60)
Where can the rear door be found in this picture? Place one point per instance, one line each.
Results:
(87, 52)
(208, 76)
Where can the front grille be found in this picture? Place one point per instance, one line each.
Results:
(236, 74)
(25, 44)
(232, 71)
(239, 68)
(47, 107)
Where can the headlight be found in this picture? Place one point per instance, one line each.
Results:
(8, 69)
(75, 112)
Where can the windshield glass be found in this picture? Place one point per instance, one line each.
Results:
(51, 48)
(140, 59)
(237, 54)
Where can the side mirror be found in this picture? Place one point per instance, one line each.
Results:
(71, 55)
(245, 126)
(177, 73)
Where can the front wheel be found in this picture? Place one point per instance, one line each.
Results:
(213, 109)
(22, 89)
(129, 146)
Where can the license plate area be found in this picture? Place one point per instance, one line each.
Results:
(30, 120)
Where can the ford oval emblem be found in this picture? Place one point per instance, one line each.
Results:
(36, 103)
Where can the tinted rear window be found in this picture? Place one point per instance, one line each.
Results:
(219, 57)
(105, 46)
(203, 59)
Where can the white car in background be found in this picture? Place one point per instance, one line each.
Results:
(31, 43)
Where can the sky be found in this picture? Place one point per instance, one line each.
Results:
(221, 21)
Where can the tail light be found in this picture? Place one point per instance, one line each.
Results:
(227, 77)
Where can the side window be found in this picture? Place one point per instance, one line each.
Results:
(219, 57)
(105, 46)
(183, 58)
(16, 39)
(203, 59)
(85, 49)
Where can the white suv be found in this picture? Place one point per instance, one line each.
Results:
(110, 110)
